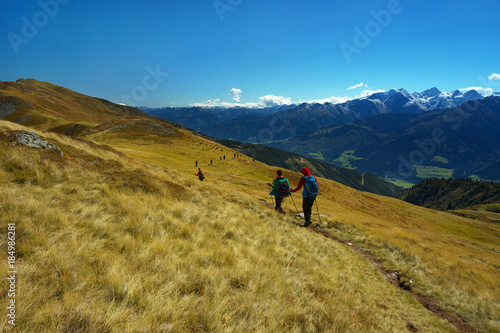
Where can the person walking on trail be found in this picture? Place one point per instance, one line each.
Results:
(309, 194)
(280, 189)
(200, 175)
(196, 164)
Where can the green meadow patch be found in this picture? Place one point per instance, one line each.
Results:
(440, 159)
(432, 172)
(346, 158)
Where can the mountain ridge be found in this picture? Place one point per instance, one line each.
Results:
(465, 136)
(301, 118)
(463, 140)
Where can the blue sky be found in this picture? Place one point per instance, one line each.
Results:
(176, 53)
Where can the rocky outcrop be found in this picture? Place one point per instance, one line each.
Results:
(33, 140)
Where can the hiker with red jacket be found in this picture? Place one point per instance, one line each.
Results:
(309, 194)
(280, 190)
(200, 175)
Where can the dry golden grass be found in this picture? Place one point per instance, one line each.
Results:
(97, 256)
(54, 105)
(452, 258)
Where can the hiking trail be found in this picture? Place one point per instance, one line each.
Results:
(394, 278)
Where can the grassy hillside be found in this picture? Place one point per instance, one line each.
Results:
(45, 105)
(118, 235)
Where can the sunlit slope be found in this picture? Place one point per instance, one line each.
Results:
(453, 258)
(106, 243)
(52, 101)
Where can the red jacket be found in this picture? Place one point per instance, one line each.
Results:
(305, 171)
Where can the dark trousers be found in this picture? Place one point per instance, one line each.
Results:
(279, 201)
(307, 204)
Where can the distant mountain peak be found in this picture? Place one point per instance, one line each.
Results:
(432, 92)
(473, 94)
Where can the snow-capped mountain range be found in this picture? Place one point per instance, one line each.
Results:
(245, 124)
(428, 100)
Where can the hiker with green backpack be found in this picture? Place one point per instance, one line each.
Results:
(280, 190)
(309, 194)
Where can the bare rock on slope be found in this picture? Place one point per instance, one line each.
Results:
(33, 140)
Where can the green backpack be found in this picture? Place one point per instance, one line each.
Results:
(284, 189)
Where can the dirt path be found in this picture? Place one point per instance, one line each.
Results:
(395, 279)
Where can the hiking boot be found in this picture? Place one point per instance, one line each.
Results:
(306, 224)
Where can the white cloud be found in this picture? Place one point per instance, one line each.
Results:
(494, 77)
(209, 103)
(481, 90)
(217, 103)
(369, 92)
(366, 92)
(333, 100)
(268, 101)
(359, 85)
(235, 93)
(271, 100)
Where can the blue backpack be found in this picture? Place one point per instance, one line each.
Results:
(312, 188)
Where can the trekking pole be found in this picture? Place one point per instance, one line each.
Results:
(281, 205)
(294, 205)
(272, 196)
(319, 216)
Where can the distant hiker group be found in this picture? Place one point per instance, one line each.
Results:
(200, 173)
(221, 158)
(280, 189)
